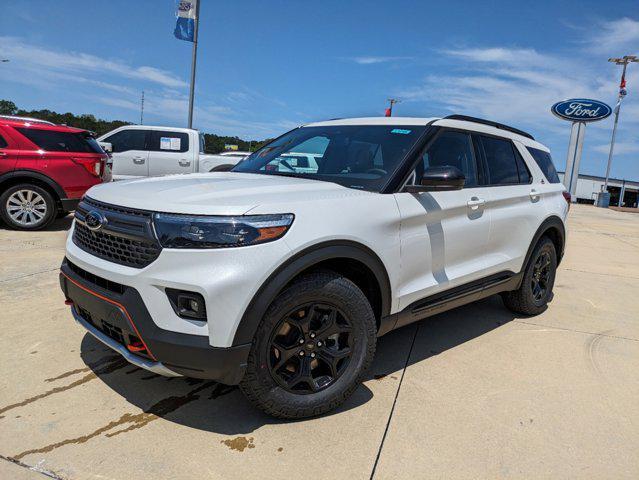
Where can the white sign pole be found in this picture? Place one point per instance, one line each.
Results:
(574, 158)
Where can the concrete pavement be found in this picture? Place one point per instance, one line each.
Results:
(473, 393)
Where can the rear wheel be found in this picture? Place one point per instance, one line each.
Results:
(27, 207)
(312, 348)
(536, 287)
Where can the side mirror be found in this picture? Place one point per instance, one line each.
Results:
(106, 146)
(439, 179)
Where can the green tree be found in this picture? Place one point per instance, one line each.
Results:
(7, 107)
(213, 143)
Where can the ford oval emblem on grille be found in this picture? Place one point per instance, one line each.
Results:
(94, 220)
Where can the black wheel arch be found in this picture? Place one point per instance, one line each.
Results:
(552, 227)
(338, 254)
(226, 167)
(19, 176)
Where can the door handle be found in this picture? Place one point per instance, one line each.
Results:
(184, 163)
(474, 203)
(138, 160)
(534, 194)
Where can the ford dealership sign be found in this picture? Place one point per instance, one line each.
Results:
(581, 110)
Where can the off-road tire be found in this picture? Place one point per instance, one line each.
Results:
(49, 215)
(326, 287)
(522, 300)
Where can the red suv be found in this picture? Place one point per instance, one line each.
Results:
(44, 170)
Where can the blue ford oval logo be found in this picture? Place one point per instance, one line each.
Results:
(581, 110)
(94, 220)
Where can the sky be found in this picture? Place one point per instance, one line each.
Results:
(266, 67)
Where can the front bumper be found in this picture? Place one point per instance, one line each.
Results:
(116, 315)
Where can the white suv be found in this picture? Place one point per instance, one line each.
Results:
(281, 281)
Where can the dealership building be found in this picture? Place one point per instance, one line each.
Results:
(588, 186)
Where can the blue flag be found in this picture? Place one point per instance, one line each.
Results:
(185, 25)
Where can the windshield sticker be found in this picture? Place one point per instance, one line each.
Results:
(400, 130)
(169, 143)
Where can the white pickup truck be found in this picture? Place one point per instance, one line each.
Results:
(148, 151)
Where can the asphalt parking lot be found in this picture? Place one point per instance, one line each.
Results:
(473, 393)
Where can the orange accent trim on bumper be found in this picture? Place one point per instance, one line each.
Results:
(112, 302)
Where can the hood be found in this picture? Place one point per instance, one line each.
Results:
(219, 193)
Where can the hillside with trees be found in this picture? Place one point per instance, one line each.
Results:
(213, 143)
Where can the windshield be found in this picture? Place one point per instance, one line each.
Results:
(355, 156)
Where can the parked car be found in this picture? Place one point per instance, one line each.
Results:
(148, 151)
(295, 162)
(281, 282)
(44, 170)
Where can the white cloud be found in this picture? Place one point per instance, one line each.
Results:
(370, 60)
(615, 36)
(621, 148)
(523, 56)
(46, 60)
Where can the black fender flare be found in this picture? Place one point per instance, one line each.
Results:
(552, 222)
(297, 264)
(59, 191)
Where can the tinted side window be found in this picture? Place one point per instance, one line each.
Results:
(524, 173)
(454, 149)
(53, 141)
(169, 141)
(500, 160)
(3, 142)
(544, 160)
(126, 140)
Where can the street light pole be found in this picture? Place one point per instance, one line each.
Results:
(622, 93)
(389, 110)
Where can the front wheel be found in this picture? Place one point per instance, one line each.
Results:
(27, 207)
(536, 287)
(312, 348)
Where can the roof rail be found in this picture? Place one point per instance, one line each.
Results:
(501, 126)
(26, 119)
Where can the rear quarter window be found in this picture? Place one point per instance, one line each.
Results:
(169, 142)
(55, 141)
(501, 161)
(544, 160)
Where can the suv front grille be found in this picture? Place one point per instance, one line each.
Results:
(126, 238)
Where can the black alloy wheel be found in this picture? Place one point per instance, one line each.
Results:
(310, 348)
(535, 290)
(541, 276)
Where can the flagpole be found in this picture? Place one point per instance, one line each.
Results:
(614, 130)
(193, 62)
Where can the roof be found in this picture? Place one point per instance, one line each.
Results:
(151, 127)
(468, 123)
(373, 121)
(25, 119)
(40, 125)
(587, 176)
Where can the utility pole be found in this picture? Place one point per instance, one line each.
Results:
(193, 62)
(389, 110)
(624, 61)
(142, 109)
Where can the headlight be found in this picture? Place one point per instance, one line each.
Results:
(188, 231)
